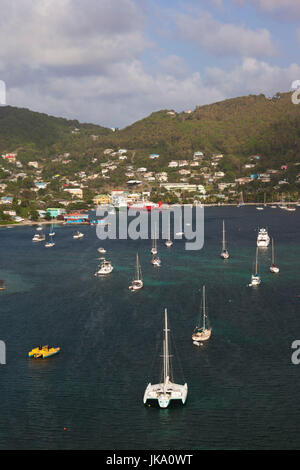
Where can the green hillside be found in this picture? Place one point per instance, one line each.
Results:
(237, 127)
(22, 127)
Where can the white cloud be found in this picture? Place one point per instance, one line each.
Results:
(252, 77)
(222, 39)
(65, 33)
(283, 9)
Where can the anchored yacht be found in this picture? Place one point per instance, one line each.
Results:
(105, 267)
(263, 238)
(203, 332)
(273, 268)
(39, 237)
(137, 282)
(224, 252)
(255, 278)
(166, 391)
(78, 235)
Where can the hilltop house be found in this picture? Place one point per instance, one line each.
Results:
(77, 192)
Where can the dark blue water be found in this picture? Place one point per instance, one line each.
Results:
(243, 388)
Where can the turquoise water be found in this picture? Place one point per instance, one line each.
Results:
(243, 388)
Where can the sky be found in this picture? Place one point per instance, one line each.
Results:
(113, 62)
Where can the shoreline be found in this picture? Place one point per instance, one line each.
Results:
(31, 223)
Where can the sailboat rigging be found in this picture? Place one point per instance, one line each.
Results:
(166, 391)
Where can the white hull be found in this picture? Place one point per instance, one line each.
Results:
(263, 239)
(76, 237)
(263, 244)
(103, 272)
(255, 281)
(136, 285)
(156, 262)
(154, 251)
(168, 243)
(49, 245)
(38, 239)
(225, 255)
(165, 393)
(203, 336)
(274, 269)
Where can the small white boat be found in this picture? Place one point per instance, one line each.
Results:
(255, 278)
(224, 252)
(179, 233)
(202, 333)
(39, 228)
(273, 268)
(137, 282)
(50, 243)
(101, 250)
(259, 208)
(156, 261)
(39, 237)
(105, 267)
(166, 391)
(78, 235)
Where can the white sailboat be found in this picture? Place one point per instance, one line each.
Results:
(273, 268)
(78, 235)
(137, 282)
(224, 252)
(166, 391)
(255, 278)
(51, 233)
(169, 242)
(154, 243)
(39, 237)
(202, 333)
(105, 267)
(101, 250)
(50, 243)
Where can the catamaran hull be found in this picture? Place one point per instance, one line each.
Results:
(155, 394)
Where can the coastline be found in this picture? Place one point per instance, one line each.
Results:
(62, 222)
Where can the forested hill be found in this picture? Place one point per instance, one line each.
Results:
(19, 127)
(237, 127)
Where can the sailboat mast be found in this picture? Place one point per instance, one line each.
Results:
(273, 259)
(204, 306)
(166, 349)
(223, 240)
(256, 263)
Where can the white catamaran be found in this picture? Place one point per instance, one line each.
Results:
(202, 333)
(137, 282)
(167, 391)
(273, 268)
(224, 252)
(255, 278)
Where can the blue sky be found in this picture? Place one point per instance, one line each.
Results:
(113, 62)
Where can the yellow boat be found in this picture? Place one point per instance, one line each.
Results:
(43, 352)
